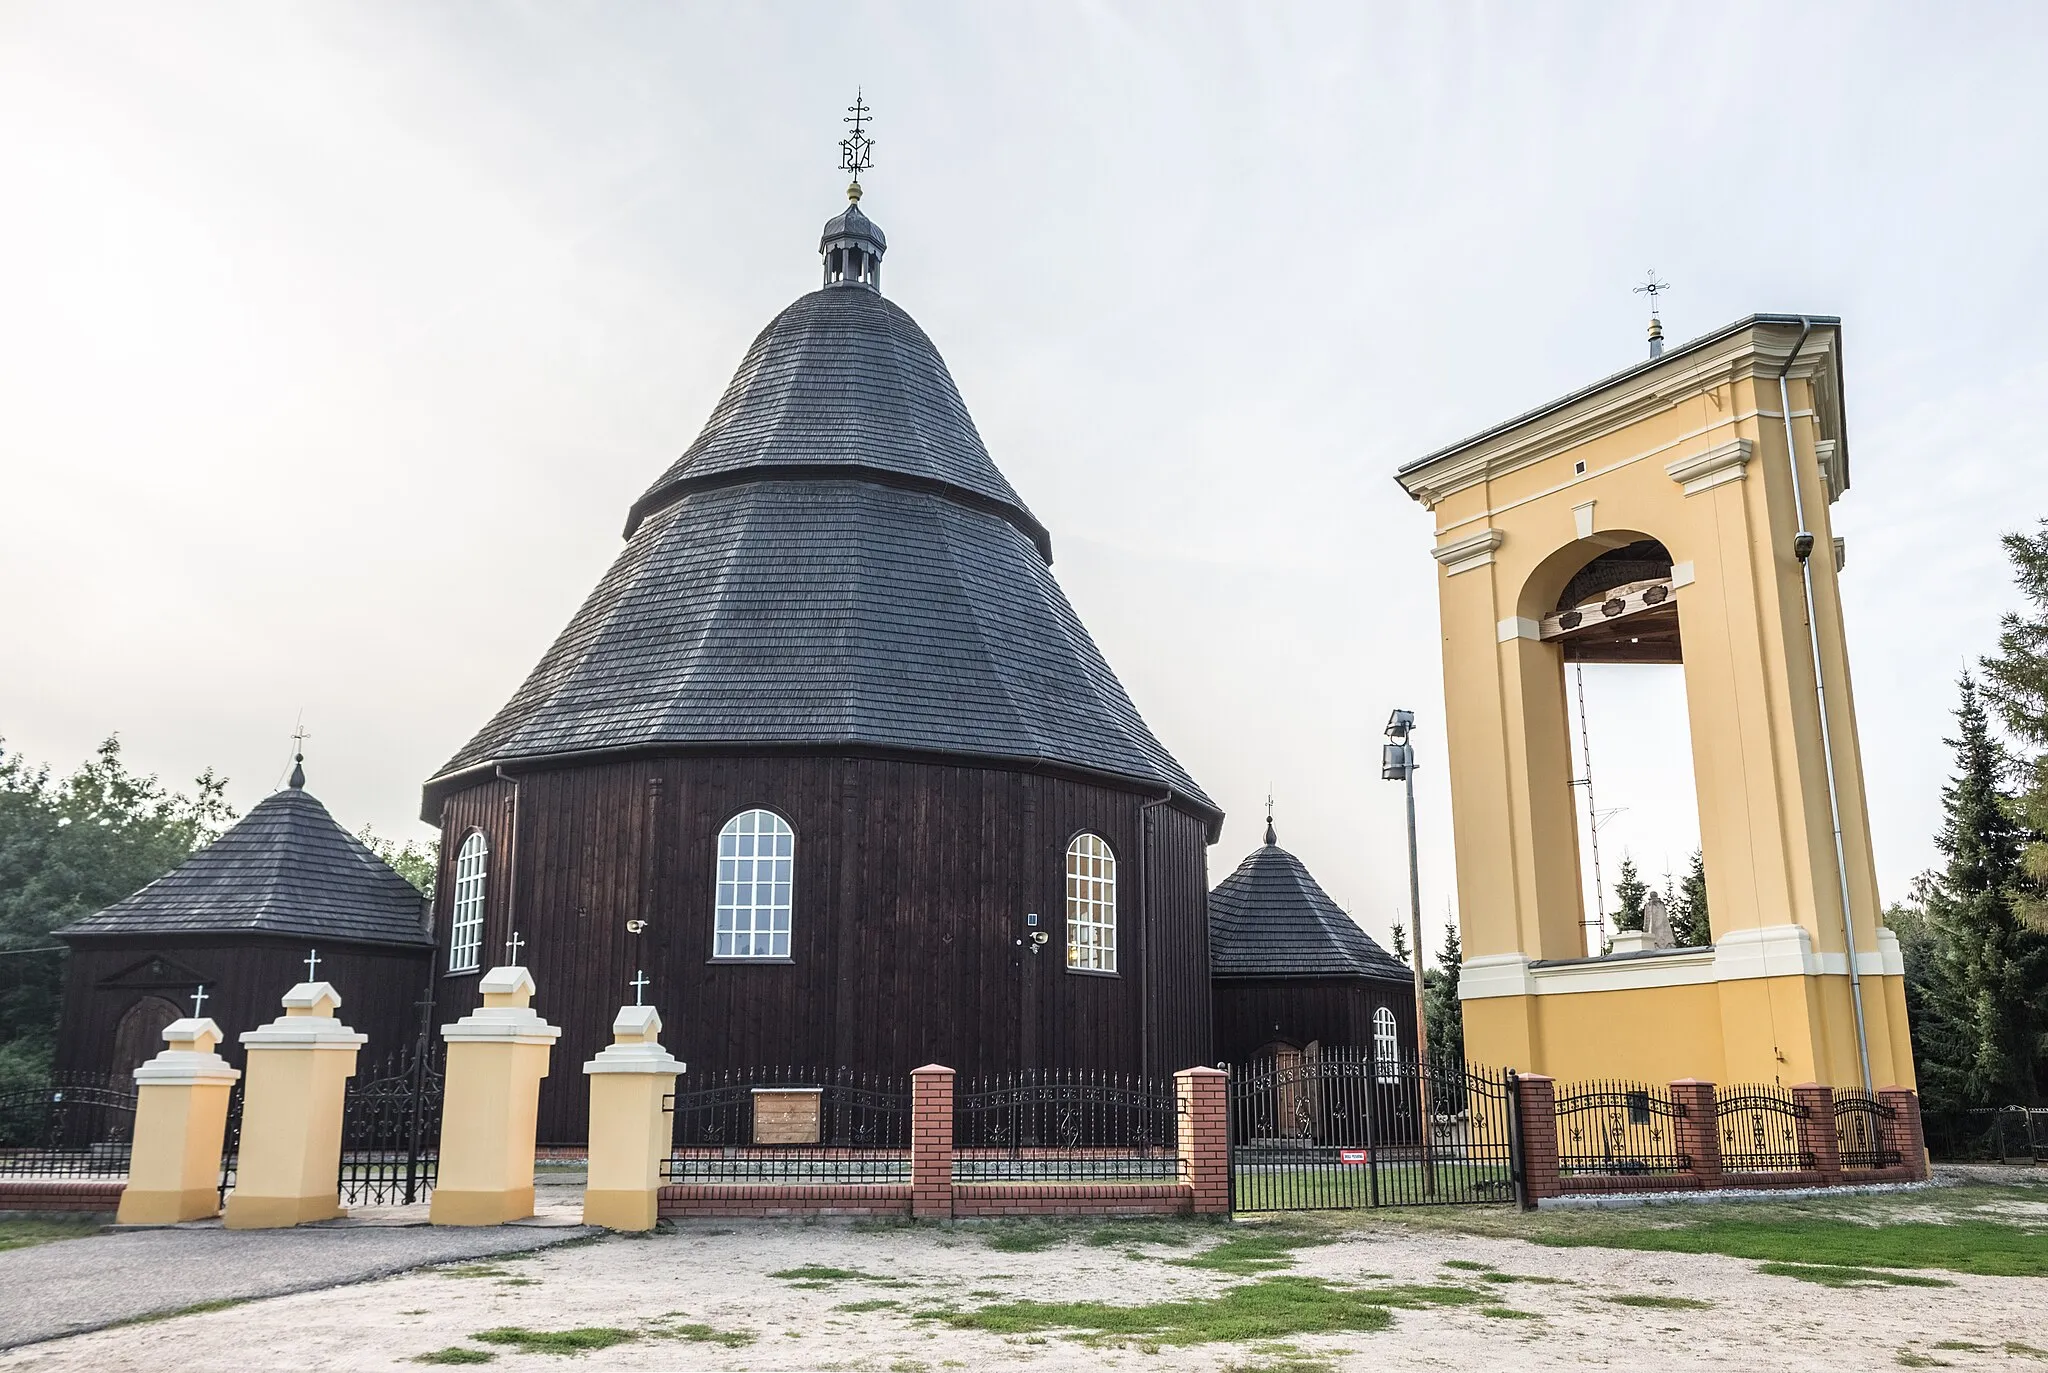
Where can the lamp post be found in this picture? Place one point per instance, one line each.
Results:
(1397, 764)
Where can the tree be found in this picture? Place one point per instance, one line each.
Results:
(68, 849)
(417, 861)
(1445, 1016)
(1629, 891)
(2016, 685)
(1688, 906)
(1986, 984)
(1399, 944)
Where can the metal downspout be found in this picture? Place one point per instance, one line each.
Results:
(1145, 934)
(1802, 548)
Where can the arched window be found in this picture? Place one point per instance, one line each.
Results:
(756, 860)
(466, 915)
(1091, 905)
(1386, 1046)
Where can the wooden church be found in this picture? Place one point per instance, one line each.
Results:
(830, 757)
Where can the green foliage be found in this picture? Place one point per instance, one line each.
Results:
(1255, 1251)
(1652, 1302)
(580, 1340)
(1629, 892)
(1688, 905)
(1983, 998)
(1397, 944)
(1443, 1012)
(1024, 1237)
(417, 861)
(67, 849)
(1838, 1275)
(1985, 1248)
(1270, 1308)
(2016, 685)
(455, 1354)
(20, 1234)
(731, 1339)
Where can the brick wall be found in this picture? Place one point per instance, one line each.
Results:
(1908, 1136)
(1203, 1097)
(1536, 1106)
(931, 1142)
(789, 1199)
(81, 1196)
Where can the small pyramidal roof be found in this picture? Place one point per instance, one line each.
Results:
(1270, 918)
(285, 868)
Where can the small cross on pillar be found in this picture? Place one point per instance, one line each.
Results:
(312, 965)
(512, 948)
(639, 985)
(198, 999)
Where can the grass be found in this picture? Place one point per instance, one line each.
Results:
(578, 1341)
(874, 1304)
(197, 1308)
(1848, 1275)
(455, 1353)
(1984, 1248)
(1024, 1237)
(1508, 1313)
(1285, 1363)
(20, 1234)
(2026, 1350)
(1155, 1232)
(473, 1270)
(1651, 1302)
(1262, 1250)
(817, 1275)
(705, 1334)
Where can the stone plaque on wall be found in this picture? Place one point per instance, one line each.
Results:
(786, 1115)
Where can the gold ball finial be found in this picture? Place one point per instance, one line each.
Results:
(853, 193)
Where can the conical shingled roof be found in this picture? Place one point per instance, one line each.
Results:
(285, 868)
(835, 563)
(1271, 919)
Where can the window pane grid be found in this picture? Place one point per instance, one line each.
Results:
(466, 917)
(1091, 905)
(1386, 1045)
(756, 874)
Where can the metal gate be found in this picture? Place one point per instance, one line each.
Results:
(1341, 1127)
(391, 1129)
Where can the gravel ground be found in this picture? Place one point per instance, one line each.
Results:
(84, 1284)
(738, 1287)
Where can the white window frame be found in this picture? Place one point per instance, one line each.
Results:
(1386, 1046)
(1091, 904)
(752, 889)
(466, 912)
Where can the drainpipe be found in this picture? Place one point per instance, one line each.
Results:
(1145, 934)
(512, 882)
(1802, 548)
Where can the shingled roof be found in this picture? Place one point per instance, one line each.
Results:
(285, 868)
(1271, 919)
(835, 563)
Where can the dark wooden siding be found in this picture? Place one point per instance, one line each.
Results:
(245, 977)
(909, 941)
(1253, 1014)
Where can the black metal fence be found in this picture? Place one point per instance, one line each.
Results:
(1864, 1136)
(1065, 1126)
(1759, 1129)
(391, 1129)
(1343, 1127)
(1999, 1134)
(1618, 1127)
(77, 1125)
(791, 1125)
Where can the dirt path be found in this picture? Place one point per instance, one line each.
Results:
(708, 1297)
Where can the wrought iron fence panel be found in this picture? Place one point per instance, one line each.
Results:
(1618, 1127)
(1341, 1127)
(1863, 1130)
(1759, 1130)
(2006, 1134)
(1054, 1125)
(77, 1125)
(231, 1140)
(391, 1129)
(790, 1124)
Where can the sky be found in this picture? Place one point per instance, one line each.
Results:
(336, 340)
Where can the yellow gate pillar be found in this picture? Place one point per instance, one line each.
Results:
(497, 1056)
(288, 1168)
(181, 1118)
(631, 1125)
(1677, 513)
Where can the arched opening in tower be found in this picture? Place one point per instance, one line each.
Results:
(1617, 625)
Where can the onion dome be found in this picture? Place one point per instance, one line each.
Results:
(1270, 918)
(835, 564)
(285, 868)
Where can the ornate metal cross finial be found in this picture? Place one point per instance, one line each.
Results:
(513, 946)
(856, 150)
(1651, 288)
(198, 999)
(639, 985)
(312, 965)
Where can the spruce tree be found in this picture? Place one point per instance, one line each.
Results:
(1440, 1000)
(2016, 685)
(1399, 944)
(1689, 907)
(1989, 968)
(1629, 891)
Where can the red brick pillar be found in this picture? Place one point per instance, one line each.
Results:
(1536, 1109)
(1204, 1098)
(1907, 1135)
(1698, 1128)
(931, 1143)
(1817, 1130)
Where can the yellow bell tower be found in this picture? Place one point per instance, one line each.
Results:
(1677, 512)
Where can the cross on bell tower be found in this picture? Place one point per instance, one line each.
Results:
(1652, 288)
